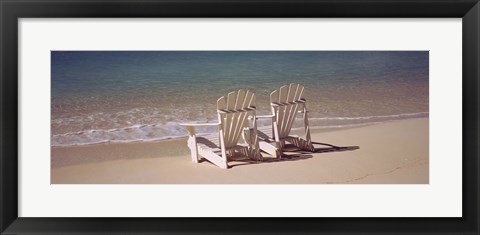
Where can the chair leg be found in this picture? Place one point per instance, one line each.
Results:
(192, 144)
(269, 148)
(254, 142)
(276, 137)
(307, 129)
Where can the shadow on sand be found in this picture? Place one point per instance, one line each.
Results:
(292, 153)
(333, 148)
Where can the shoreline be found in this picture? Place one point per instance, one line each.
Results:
(391, 152)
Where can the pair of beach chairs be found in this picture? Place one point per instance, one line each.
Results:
(238, 134)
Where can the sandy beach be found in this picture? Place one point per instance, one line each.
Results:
(394, 152)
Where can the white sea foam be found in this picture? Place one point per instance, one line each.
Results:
(169, 130)
(403, 115)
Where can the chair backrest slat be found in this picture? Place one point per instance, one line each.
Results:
(282, 98)
(274, 97)
(231, 98)
(221, 103)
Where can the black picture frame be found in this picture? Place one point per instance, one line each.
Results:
(12, 10)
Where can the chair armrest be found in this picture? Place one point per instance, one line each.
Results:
(261, 116)
(301, 111)
(199, 124)
(191, 127)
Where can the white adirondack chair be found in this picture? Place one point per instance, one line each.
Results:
(286, 103)
(234, 112)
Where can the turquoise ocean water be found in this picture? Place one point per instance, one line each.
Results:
(125, 96)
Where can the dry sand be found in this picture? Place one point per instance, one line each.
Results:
(387, 153)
